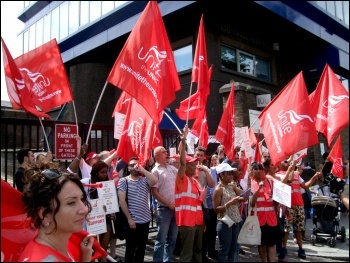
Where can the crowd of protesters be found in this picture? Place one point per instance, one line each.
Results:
(190, 196)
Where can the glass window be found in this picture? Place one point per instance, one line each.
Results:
(322, 4)
(32, 37)
(228, 58)
(84, 12)
(183, 58)
(39, 33)
(107, 6)
(73, 17)
(119, 3)
(95, 10)
(246, 63)
(346, 12)
(339, 10)
(55, 24)
(64, 20)
(262, 69)
(330, 7)
(25, 42)
(47, 27)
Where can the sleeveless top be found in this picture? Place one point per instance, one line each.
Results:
(233, 210)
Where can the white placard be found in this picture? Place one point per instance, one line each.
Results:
(108, 194)
(238, 136)
(172, 151)
(96, 223)
(282, 193)
(263, 100)
(119, 120)
(254, 121)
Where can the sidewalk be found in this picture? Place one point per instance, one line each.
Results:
(320, 252)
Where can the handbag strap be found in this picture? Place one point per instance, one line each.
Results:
(250, 208)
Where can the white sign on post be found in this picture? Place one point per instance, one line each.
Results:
(282, 193)
(263, 100)
(96, 223)
(119, 120)
(108, 194)
(254, 121)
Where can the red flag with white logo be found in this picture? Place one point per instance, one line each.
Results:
(19, 93)
(257, 155)
(145, 67)
(330, 105)
(140, 134)
(122, 104)
(225, 133)
(252, 138)
(287, 121)
(336, 157)
(44, 73)
(200, 130)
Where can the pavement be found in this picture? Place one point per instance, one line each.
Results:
(319, 252)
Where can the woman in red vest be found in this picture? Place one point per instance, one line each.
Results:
(266, 211)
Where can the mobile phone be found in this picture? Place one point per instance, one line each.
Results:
(245, 193)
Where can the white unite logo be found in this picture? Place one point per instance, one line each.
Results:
(154, 58)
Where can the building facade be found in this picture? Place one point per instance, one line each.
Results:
(260, 45)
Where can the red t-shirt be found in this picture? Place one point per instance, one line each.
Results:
(36, 252)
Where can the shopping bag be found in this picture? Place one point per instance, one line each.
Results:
(250, 233)
(227, 220)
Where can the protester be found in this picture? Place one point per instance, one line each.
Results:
(220, 151)
(226, 201)
(262, 189)
(133, 195)
(164, 192)
(188, 206)
(295, 214)
(205, 179)
(25, 157)
(41, 157)
(57, 205)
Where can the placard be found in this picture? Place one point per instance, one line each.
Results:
(282, 193)
(108, 194)
(96, 223)
(65, 142)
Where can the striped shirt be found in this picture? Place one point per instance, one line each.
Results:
(137, 198)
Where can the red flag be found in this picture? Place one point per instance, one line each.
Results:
(257, 155)
(200, 73)
(140, 134)
(145, 68)
(44, 73)
(200, 129)
(198, 102)
(122, 104)
(336, 157)
(20, 95)
(330, 105)
(287, 123)
(15, 226)
(225, 133)
(252, 138)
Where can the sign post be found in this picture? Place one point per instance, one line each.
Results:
(65, 143)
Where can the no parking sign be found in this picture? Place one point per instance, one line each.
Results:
(65, 143)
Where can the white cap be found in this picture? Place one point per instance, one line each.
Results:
(224, 167)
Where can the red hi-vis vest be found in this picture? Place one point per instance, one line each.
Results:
(188, 203)
(266, 210)
(297, 198)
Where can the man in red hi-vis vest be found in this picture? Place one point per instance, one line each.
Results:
(188, 206)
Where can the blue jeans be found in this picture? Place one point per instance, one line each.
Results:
(229, 247)
(164, 244)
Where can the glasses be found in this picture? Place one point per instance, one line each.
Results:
(51, 173)
(131, 164)
(266, 156)
(257, 169)
(285, 162)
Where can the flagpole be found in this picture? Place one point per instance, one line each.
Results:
(188, 107)
(93, 117)
(166, 114)
(47, 143)
(75, 114)
(253, 123)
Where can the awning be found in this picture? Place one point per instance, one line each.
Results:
(166, 123)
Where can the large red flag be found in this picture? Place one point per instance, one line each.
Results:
(196, 104)
(252, 138)
(19, 93)
(200, 129)
(330, 105)
(336, 157)
(44, 73)
(225, 133)
(145, 68)
(140, 134)
(200, 73)
(287, 123)
(122, 104)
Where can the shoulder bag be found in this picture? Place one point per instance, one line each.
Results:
(122, 224)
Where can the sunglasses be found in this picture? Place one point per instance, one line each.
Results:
(132, 164)
(267, 156)
(257, 169)
(51, 173)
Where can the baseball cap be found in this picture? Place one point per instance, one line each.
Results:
(224, 167)
(91, 155)
(190, 159)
